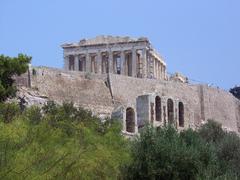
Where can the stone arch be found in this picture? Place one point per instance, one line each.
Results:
(181, 114)
(71, 63)
(158, 109)
(170, 111)
(130, 120)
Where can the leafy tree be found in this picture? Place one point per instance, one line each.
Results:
(33, 147)
(209, 153)
(211, 131)
(162, 154)
(8, 68)
(8, 111)
(235, 91)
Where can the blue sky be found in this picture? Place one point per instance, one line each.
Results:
(199, 38)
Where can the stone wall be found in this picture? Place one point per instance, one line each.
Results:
(105, 95)
(201, 102)
(86, 90)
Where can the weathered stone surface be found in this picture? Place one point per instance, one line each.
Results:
(201, 102)
(86, 90)
(112, 94)
(27, 97)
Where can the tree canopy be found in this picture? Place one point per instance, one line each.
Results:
(236, 91)
(59, 142)
(10, 66)
(164, 153)
(65, 142)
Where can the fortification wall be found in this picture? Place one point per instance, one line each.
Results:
(201, 102)
(86, 90)
(221, 106)
(103, 95)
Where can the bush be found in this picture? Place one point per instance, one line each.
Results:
(163, 153)
(228, 152)
(34, 114)
(8, 111)
(211, 131)
(68, 149)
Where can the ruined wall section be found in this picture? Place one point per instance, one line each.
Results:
(201, 102)
(221, 106)
(97, 93)
(238, 114)
(127, 89)
(86, 90)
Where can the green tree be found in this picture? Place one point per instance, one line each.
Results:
(61, 142)
(164, 153)
(8, 68)
(235, 91)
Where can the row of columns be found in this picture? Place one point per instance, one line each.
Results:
(135, 63)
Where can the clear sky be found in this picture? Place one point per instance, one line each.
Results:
(199, 38)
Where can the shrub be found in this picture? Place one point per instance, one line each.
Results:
(8, 111)
(211, 131)
(34, 114)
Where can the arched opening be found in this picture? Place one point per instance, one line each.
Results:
(181, 114)
(170, 111)
(158, 111)
(130, 120)
(71, 63)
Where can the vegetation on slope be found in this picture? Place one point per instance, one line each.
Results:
(62, 143)
(209, 153)
(65, 142)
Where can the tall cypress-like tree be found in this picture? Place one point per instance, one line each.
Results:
(10, 66)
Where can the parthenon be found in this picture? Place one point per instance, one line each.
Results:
(117, 55)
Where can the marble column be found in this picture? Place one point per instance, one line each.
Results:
(159, 70)
(110, 61)
(99, 62)
(162, 71)
(151, 66)
(66, 63)
(88, 63)
(76, 63)
(144, 63)
(122, 62)
(134, 63)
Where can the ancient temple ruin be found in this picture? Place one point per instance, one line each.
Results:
(117, 55)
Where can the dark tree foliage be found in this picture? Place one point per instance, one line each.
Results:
(8, 68)
(164, 153)
(235, 91)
